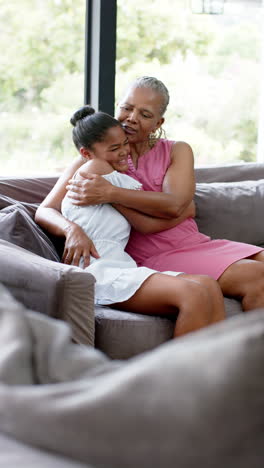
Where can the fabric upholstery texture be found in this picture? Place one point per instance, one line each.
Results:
(52, 288)
(27, 189)
(14, 454)
(5, 201)
(193, 402)
(229, 172)
(231, 210)
(122, 335)
(17, 227)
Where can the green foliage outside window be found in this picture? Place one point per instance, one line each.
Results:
(211, 66)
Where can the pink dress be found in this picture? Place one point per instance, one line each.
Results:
(182, 248)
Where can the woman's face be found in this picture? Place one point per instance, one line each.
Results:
(139, 113)
(114, 149)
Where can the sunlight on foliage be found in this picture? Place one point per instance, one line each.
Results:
(210, 64)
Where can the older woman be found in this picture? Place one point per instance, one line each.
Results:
(165, 169)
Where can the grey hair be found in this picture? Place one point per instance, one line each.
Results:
(157, 86)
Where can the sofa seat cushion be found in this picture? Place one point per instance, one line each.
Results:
(231, 210)
(122, 335)
(51, 288)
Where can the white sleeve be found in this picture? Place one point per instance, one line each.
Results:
(123, 180)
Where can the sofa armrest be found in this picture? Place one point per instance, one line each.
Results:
(61, 291)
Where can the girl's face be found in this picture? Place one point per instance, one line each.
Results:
(114, 149)
(139, 113)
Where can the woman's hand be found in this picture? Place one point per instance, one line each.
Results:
(93, 190)
(77, 246)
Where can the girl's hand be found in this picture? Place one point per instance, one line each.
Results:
(93, 190)
(77, 246)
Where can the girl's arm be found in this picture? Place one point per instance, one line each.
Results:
(178, 189)
(48, 215)
(147, 224)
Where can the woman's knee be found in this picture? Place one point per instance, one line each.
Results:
(211, 285)
(196, 293)
(253, 284)
(207, 281)
(209, 292)
(240, 277)
(245, 280)
(253, 296)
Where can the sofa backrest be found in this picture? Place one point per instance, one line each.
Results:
(27, 189)
(35, 189)
(230, 173)
(229, 200)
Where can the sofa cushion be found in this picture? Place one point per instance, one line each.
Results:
(230, 172)
(14, 454)
(194, 402)
(27, 189)
(122, 335)
(8, 201)
(231, 210)
(17, 227)
(49, 287)
(30, 208)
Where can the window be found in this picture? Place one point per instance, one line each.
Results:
(41, 83)
(211, 65)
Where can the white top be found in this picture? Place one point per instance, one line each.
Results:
(116, 273)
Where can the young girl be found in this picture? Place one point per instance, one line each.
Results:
(195, 300)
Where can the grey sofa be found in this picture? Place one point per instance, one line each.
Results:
(228, 200)
(192, 402)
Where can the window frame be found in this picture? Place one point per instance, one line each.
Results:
(100, 54)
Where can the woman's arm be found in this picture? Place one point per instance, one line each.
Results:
(178, 189)
(147, 224)
(49, 216)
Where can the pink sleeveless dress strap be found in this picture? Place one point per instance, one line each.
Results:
(182, 248)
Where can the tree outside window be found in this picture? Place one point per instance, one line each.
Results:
(211, 65)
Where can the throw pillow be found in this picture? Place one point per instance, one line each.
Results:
(231, 210)
(17, 227)
(7, 201)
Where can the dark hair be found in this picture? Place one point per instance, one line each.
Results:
(90, 127)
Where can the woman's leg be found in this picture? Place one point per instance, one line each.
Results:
(196, 301)
(259, 257)
(245, 280)
(214, 290)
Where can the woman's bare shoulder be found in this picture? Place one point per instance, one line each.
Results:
(181, 145)
(181, 150)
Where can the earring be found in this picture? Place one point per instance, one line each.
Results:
(155, 136)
